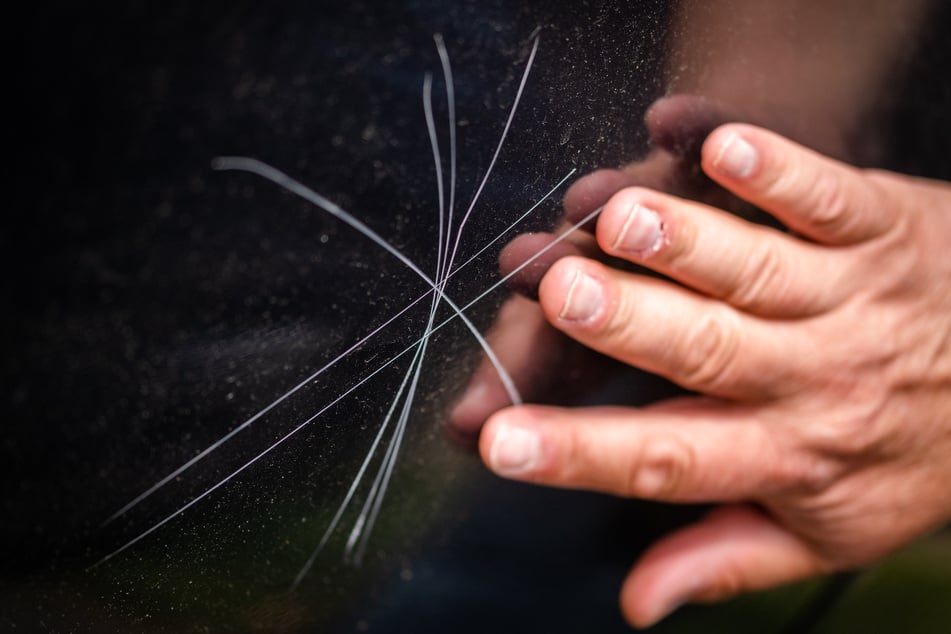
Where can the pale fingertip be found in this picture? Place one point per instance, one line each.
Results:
(642, 232)
(645, 605)
(476, 394)
(643, 616)
(584, 298)
(469, 413)
(658, 615)
(515, 450)
(736, 157)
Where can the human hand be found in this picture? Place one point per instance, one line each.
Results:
(546, 365)
(824, 357)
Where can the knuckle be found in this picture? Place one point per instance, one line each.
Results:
(854, 418)
(830, 203)
(709, 350)
(762, 275)
(783, 181)
(822, 195)
(804, 473)
(852, 439)
(578, 459)
(662, 469)
(728, 581)
(854, 434)
(616, 327)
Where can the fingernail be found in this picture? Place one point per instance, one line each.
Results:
(642, 232)
(515, 450)
(736, 158)
(584, 298)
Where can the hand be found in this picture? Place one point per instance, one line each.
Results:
(547, 366)
(824, 358)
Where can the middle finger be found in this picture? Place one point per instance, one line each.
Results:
(700, 343)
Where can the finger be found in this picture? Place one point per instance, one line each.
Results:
(755, 268)
(526, 259)
(734, 549)
(696, 342)
(717, 454)
(677, 126)
(534, 354)
(660, 170)
(519, 336)
(483, 395)
(818, 197)
(680, 123)
(590, 192)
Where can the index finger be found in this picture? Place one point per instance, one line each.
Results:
(713, 452)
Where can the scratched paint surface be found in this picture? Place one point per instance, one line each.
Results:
(159, 305)
(174, 303)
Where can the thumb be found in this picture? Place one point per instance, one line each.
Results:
(734, 549)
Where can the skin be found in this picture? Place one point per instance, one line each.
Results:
(822, 357)
(534, 352)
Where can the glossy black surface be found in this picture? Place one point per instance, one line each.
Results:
(152, 304)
